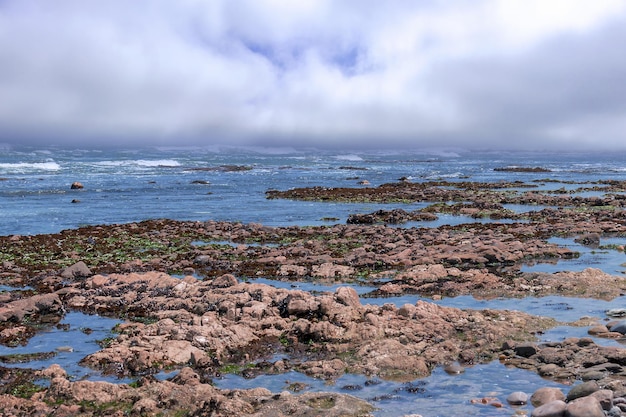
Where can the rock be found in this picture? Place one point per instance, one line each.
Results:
(517, 398)
(616, 312)
(584, 407)
(605, 396)
(598, 329)
(525, 350)
(315, 404)
(226, 280)
(546, 395)
(454, 369)
(619, 327)
(54, 371)
(554, 408)
(582, 390)
(76, 186)
(348, 297)
(591, 239)
(78, 270)
(44, 304)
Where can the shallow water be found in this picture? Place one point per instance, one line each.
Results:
(605, 257)
(81, 336)
(440, 394)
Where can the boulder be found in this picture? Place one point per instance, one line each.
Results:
(546, 395)
(584, 407)
(78, 270)
(582, 390)
(554, 408)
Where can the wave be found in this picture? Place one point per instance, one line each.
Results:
(148, 163)
(21, 167)
(349, 157)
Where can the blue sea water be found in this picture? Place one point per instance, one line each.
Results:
(128, 185)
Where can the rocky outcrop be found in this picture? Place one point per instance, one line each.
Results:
(208, 324)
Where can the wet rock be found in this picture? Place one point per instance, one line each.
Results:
(546, 395)
(517, 398)
(77, 186)
(582, 390)
(590, 239)
(525, 350)
(605, 397)
(454, 369)
(37, 305)
(315, 404)
(584, 407)
(619, 327)
(555, 408)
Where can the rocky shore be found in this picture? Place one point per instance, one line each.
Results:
(185, 294)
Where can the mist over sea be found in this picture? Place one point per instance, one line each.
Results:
(229, 183)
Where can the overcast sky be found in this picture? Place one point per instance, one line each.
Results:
(531, 74)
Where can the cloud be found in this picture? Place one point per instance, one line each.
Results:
(481, 73)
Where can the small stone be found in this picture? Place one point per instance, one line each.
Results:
(77, 186)
(517, 398)
(454, 369)
(65, 349)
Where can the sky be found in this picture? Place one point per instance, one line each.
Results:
(496, 74)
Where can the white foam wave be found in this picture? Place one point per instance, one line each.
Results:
(349, 157)
(30, 166)
(140, 162)
(157, 163)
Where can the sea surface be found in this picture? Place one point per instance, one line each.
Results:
(229, 184)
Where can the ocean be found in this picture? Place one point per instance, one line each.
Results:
(229, 183)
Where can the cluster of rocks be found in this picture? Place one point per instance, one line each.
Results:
(186, 394)
(445, 191)
(204, 326)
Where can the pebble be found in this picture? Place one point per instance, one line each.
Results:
(454, 369)
(517, 398)
(65, 349)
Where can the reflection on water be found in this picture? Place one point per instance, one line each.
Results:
(75, 337)
(440, 394)
(605, 257)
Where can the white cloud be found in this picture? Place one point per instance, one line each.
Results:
(315, 70)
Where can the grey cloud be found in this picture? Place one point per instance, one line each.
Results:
(210, 72)
(571, 84)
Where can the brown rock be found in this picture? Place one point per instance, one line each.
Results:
(78, 270)
(584, 407)
(546, 395)
(226, 280)
(348, 296)
(555, 408)
(605, 397)
(582, 390)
